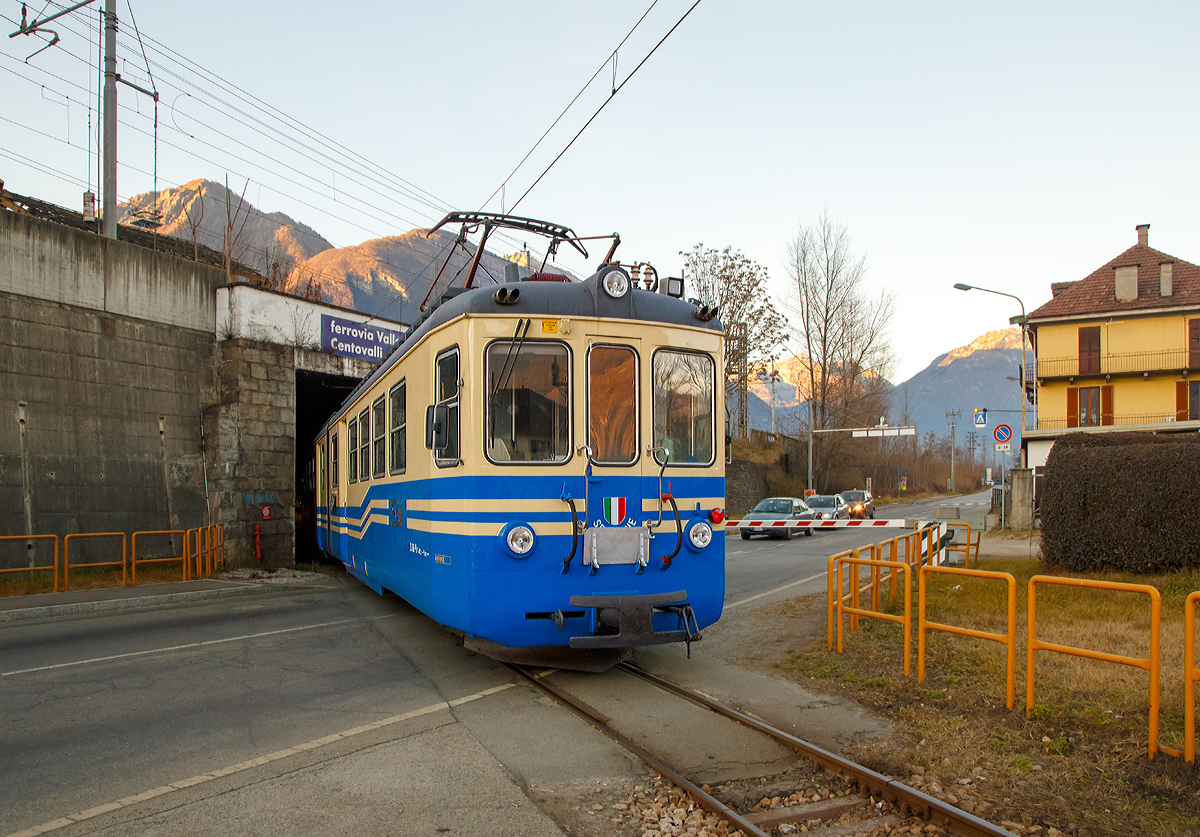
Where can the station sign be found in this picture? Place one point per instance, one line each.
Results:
(350, 338)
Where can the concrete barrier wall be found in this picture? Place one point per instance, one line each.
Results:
(52, 262)
(112, 421)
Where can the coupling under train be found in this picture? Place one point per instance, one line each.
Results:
(538, 463)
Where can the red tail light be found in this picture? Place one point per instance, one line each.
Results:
(716, 515)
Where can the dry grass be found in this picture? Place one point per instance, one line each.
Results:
(32, 584)
(1078, 762)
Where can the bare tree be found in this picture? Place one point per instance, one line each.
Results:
(233, 251)
(841, 333)
(195, 220)
(739, 287)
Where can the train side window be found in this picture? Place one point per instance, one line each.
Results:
(613, 404)
(352, 450)
(377, 410)
(333, 463)
(528, 405)
(683, 406)
(445, 387)
(364, 445)
(399, 427)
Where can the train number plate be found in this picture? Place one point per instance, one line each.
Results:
(618, 544)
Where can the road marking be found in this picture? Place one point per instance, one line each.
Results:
(192, 781)
(776, 590)
(189, 645)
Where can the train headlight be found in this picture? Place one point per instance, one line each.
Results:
(616, 283)
(700, 535)
(518, 539)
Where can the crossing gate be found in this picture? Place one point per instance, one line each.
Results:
(759, 525)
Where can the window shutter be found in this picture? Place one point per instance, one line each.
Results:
(1089, 350)
(1181, 398)
(1072, 406)
(1106, 405)
(1194, 344)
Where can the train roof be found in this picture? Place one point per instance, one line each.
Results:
(583, 299)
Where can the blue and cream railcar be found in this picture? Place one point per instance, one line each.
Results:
(537, 465)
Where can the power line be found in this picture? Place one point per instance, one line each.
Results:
(612, 96)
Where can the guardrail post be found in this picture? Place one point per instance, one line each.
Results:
(1190, 675)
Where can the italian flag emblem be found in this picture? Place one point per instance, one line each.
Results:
(614, 510)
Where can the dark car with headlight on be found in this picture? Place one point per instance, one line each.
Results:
(861, 503)
(776, 508)
(828, 507)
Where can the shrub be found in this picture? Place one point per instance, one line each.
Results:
(1122, 501)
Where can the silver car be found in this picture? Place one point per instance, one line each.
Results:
(777, 508)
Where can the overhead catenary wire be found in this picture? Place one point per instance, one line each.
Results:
(604, 104)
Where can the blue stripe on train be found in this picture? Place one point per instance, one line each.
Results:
(470, 582)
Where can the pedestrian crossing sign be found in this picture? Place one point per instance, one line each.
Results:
(980, 417)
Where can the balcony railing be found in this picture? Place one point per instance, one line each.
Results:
(1116, 364)
(1118, 421)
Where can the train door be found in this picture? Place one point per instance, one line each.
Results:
(617, 485)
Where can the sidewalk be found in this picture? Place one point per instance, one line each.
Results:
(75, 602)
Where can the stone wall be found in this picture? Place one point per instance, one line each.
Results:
(745, 485)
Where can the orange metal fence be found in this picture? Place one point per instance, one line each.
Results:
(1150, 664)
(1191, 675)
(963, 546)
(842, 607)
(1009, 638)
(52, 567)
(133, 561)
(67, 555)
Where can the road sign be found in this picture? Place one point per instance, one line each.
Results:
(1002, 432)
(980, 417)
(1003, 447)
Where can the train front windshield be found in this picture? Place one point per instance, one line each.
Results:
(528, 402)
(683, 406)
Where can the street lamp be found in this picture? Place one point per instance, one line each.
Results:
(961, 286)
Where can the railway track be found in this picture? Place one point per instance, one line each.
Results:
(828, 795)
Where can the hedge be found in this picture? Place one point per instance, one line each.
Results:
(1122, 501)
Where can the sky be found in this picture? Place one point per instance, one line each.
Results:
(1006, 146)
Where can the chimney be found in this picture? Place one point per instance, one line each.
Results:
(1143, 231)
(1164, 279)
(1126, 283)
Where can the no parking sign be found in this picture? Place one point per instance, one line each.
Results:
(1002, 433)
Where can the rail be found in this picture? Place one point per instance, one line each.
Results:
(52, 567)
(1118, 363)
(1150, 664)
(963, 546)
(1191, 675)
(905, 620)
(123, 564)
(1009, 638)
(133, 559)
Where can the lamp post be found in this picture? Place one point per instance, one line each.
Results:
(960, 286)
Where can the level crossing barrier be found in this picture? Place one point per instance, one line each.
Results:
(123, 564)
(51, 568)
(1150, 664)
(1009, 638)
(133, 559)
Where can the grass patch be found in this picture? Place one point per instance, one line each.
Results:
(1083, 747)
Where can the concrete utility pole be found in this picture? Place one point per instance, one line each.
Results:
(952, 415)
(110, 119)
